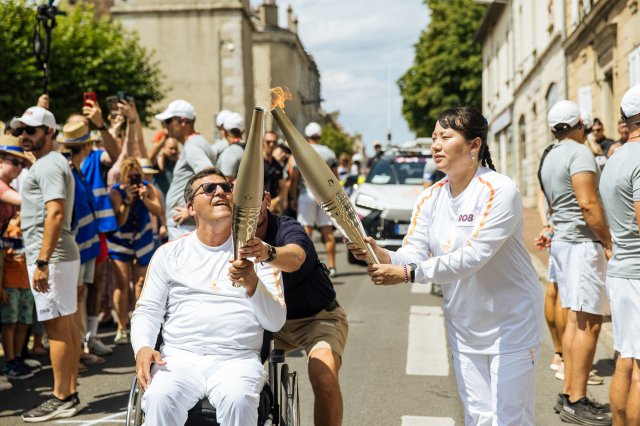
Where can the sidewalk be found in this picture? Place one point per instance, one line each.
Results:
(532, 227)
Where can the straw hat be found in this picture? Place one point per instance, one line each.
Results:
(147, 166)
(11, 145)
(75, 133)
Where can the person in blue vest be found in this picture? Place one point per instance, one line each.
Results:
(94, 169)
(77, 138)
(132, 245)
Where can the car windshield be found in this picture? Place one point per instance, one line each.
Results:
(402, 170)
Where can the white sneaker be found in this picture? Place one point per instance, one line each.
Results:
(560, 373)
(96, 347)
(5, 384)
(556, 362)
(594, 379)
(121, 337)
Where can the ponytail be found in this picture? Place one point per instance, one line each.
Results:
(485, 157)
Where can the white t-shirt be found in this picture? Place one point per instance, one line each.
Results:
(188, 293)
(473, 245)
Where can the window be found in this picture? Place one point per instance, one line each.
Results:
(552, 96)
(584, 99)
(634, 67)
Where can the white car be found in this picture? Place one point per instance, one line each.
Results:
(385, 200)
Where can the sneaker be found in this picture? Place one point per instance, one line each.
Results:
(436, 289)
(53, 408)
(96, 347)
(34, 365)
(91, 359)
(15, 370)
(556, 362)
(560, 373)
(333, 272)
(562, 398)
(594, 379)
(601, 408)
(583, 414)
(5, 384)
(121, 337)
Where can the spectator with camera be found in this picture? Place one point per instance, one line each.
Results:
(132, 245)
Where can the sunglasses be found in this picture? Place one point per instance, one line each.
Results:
(209, 188)
(168, 121)
(15, 161)
(271, 142)
(30, 130)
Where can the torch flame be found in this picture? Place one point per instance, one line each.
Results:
(278, 97)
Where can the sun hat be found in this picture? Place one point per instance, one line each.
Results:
(147, 166)
(178, 108)
(75, 133)
(11, 145)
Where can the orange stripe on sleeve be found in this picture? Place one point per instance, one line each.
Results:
(487, 207)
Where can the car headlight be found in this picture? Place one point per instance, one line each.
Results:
(367, 202)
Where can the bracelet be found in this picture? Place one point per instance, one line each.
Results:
(406, 274)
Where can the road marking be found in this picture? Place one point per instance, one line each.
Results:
(427, 351)
(427, 421)
(112, 418)
(421, 288)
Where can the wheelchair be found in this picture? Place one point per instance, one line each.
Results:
(279, 399)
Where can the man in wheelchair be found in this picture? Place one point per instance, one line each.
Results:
(212, 331)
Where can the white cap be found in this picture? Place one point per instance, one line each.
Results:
(178, 108)
(586, 118)
(221, 116)
(564, 112)
(313, 129)
(35, 116)
(630, 104)
(233, 121)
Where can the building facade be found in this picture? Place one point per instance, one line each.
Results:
(538, 52)
(206, 52)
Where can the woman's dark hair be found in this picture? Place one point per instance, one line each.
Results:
(472, 124)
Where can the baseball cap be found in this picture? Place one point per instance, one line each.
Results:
(234, 121)
(630, 104)
(221, 116)
(35, 116)
(178, 108)
(313, 129)
(586, 118)
(563, 115)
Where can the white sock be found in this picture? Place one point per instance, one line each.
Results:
(92, 327)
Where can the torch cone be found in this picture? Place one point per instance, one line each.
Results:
(248, 186)
(324, 185)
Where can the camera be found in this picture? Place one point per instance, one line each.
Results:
(136, 180)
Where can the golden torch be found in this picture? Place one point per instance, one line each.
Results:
(324, 185)
(248, 186)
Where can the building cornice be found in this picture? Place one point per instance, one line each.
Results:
(172, 8)
(553, 45)
(587, 29)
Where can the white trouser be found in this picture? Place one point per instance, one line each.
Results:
(497, 390)
(232, 385)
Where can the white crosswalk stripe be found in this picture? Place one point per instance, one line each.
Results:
(427, 351)
(427, 421)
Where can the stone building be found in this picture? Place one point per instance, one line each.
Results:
(538, 52)
(218, 54)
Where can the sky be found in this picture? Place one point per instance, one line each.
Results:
(357, 45)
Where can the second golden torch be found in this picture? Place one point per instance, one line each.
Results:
(324, 185)
(248, 186)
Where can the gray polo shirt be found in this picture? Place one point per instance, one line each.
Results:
(619, 190)
(196, 155)
(229, 159)
(566, 159)
(50, 178)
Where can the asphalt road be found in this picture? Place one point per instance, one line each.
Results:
(376, 387)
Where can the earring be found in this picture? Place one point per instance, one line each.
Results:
(472, 155)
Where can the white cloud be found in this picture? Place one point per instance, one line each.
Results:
(356, 43)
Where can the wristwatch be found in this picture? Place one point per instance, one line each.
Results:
(412, 272)
(272, 253)
(42, 263)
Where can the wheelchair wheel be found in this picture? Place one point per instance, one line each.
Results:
(135, 416)
(289, 403)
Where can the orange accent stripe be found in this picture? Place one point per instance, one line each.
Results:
(414, 219)
(487, 208)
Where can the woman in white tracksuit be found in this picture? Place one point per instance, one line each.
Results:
(466, 234)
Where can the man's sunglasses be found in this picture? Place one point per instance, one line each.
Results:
(209, 188)
(30, 130)
(271, 142)
(168, 121)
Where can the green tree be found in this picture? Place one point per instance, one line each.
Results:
(447, 68)
(87, 54)
(334, 137)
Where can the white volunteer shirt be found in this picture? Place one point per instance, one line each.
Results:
(188, 292)
(473, 245)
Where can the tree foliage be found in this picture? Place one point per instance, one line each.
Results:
(335, 138)
(447, 68)
(87, 54)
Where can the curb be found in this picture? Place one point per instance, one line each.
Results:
(605, 340)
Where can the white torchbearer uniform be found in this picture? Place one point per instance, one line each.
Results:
(212, 332)
(472, 244)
